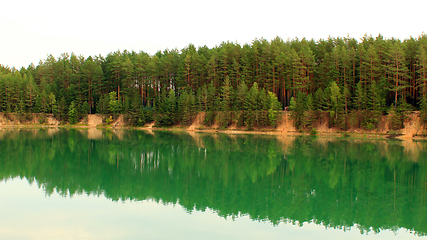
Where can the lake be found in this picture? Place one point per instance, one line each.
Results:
(126, 184)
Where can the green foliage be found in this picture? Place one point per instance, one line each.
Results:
(62, 111)
(226, 103)
(336, 101)
(313, 132)
(318, 100)
(242, 90)
(108, 119)
(209, 118)
(251, 106)
(85, 108)
(360, 97)
(72, 115)
(341, 75)
(297, 108)
(167, 109)
(263, 106)
(273, 111)
(308, 114)
(398, 115)
(187, 107)
(113, 104)
(52, 104)
(102, 106)
(42, 118)
(423, 108)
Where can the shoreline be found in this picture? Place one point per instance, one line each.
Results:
(284, 128)
(270, 132)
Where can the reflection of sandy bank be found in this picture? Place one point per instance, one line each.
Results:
(93, 133)
(324, 141)
(119, 134)
(52, 131)
(148, 128)
(2, 133)
(412, 149)
(286, 141)
(149, 131)
(196, 137)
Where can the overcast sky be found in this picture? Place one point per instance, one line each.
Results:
(30, 30)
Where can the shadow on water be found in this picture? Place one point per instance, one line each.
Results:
(340, 183)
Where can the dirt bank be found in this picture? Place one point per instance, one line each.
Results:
(413, 128)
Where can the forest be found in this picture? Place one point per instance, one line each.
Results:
(349, 82)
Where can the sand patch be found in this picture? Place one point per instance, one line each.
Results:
(94, 120)
(286, 124)
(119, 122)
(197, 122)
(52, 121)
(412, 126)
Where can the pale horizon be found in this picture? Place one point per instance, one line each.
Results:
(33, 30)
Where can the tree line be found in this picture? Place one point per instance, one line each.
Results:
(352, 82)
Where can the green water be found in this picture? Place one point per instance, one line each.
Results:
(74, 184)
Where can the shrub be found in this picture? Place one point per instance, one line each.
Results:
(313, 132)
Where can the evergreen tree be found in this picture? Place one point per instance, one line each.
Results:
(114, 104)
(85, 108)
(308, 114)
(52, 103)
(273, 111)
(72, 115)
(360, 97)
(423, 108)
(335, 102)
(318, 100)
(226, 102)
(251, 106)
(212, 104)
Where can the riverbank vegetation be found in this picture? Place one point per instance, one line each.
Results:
(350, 83)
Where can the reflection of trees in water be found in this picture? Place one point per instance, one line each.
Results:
(340, 183)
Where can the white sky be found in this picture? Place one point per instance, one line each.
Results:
(30, 30)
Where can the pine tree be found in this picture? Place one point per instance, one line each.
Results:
(72, 116)
(423, 109)
(251, 106)
(226, 102)
(212, 104)
(398, 71)
(273, 111)
(308, 112)
(113, 104)
(52, 103)
(335, 102)
(318, 100)
(360, 97)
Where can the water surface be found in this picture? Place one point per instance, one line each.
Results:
(96, 184)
